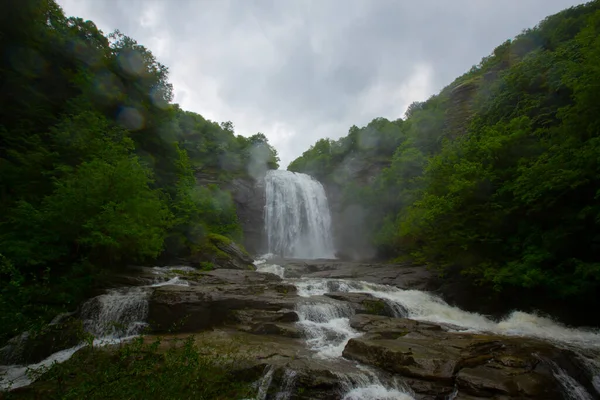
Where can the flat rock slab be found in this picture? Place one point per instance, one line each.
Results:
(403, 276)
(196, 308)
(407, 358)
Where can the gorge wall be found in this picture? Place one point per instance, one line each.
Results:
(248, 194)
(348, 218)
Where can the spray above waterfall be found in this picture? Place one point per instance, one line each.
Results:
(297, 218)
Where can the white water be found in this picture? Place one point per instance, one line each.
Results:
(326, 326)
(571, 387)
(117, 313)
(422, 306)
(297, 219)
(287, 385)
(265, 382)
(262, 266)
(114, 317)
(368, 386)
(16, 376)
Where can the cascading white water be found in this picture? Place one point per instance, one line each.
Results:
(287, 385)
(326, 325)
(113, 317)
(422, 306)
(368, 386)
(297, 219)
(570, 386)
(118, 313)
(285, 389)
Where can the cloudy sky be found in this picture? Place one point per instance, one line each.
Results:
(300, 70)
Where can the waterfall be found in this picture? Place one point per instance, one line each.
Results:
(297, 219)
(116, 314)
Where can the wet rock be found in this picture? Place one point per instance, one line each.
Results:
(250, 316)
(129, 276)
(216, 251)
(391, 328)
(364, 303)
(478, 365)
(403, 276)
(249, 198)
(33, 347)
(238, 258)
(407, 358)
(237, 277)
(269, 328)
(489, 380)
(199, 307)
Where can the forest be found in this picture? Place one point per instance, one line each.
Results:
(496, 178)
(122, 273)
(97, 163)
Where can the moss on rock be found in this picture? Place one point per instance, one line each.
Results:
(217, 251)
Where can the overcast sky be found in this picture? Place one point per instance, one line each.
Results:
(300, 70)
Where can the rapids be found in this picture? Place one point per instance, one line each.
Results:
(325, 323)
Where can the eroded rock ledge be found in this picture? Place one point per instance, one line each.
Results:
(436, 362)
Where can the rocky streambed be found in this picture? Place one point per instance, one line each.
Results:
(337, 330)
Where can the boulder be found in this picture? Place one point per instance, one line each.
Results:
(478, 365)
(238, 258)
(364, 303)
(490, 380)
(216, 251)
(197, 307)
(418, 359)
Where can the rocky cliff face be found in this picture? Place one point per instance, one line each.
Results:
(348, 218)
(248, 194)
(249, 197)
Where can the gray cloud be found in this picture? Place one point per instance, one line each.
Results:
(299, 70)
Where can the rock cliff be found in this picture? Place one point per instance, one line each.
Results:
(248, 195)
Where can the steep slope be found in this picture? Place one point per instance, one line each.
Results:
(97, 165)
(496, 177)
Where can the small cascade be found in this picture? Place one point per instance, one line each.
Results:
(118, 313)
(297, 219)
(287, 385)
(326, 325)
(592, 365)
(112, 317)
(285, 390)
(265, 382)
(571, 388)
(16, 376)
(368, 386)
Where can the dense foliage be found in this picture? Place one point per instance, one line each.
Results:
(96, 165)
(497, 176)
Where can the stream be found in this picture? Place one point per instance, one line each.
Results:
(298, 225)
(326, 325)
(120, 314)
